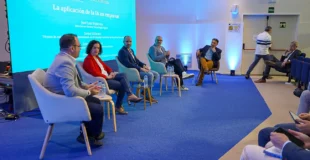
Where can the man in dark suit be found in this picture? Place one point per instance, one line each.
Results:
(282, 65)
(209, 57)
(127, 57)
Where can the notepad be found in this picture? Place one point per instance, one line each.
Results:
(273, 152)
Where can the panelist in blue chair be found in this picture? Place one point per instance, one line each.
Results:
(159, 54)
(128, 59)
(282, 65)
(62, 78)
(97, 68)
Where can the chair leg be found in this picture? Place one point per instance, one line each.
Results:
(86, 139)
(51, 133)
(144, 97)
(47, 137)
(215, 78)
(172, 84)
(149, 93)
(160, 85)
(114, 117)
(179, 86)
(212, 75)
(108, 108)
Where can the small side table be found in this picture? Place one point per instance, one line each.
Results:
(172, 76)
(108, 99)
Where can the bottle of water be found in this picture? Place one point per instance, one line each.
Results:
(103, 89)
(169, 70)
(145, 82)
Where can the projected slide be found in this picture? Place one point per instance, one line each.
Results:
(35, 27)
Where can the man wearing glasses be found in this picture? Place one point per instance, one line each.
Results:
(62, 78)
(159, 54)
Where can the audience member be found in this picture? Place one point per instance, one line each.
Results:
(209, 57)
(263, 43)
(62, 78)
(304, 105)
(97, 68)
(159, 54)
(289, 150)
(128, 59)
(282, 65)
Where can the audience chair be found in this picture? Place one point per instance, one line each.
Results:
(133, 77)
(72, 108)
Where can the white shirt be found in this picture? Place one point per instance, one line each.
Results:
(103, 71)
(263, 42)
(289, 55)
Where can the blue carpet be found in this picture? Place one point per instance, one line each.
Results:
(202, 124)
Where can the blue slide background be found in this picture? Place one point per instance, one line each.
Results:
(35, 27)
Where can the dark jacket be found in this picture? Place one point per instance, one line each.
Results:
(216, 57)
(127, 60)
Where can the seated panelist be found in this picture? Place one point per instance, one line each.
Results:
(97, 68)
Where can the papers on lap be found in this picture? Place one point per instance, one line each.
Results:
(273, 152)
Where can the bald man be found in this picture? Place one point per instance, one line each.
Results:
(127, 57)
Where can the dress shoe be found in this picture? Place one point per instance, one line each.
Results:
(100, 137)
(260, 81)
(92, 141)
(134, 99)
(121, 111)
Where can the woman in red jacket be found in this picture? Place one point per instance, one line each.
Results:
(97, 68)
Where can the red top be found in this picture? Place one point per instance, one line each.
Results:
(91, 67)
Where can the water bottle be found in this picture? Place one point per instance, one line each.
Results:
(145, 82)
(169, 70)
(103, 89)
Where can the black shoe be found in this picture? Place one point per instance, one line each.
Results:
(92, 141)
(198, 84)
(101, 136)
(247, 76)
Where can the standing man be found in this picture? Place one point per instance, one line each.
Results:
(209, 57)
(62, 78)
(127, 57)
(159, 54)
(263, 43)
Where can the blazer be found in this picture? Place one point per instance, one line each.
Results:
(62, 77)
(127, 60)
(292, 152)
(90, 66)
(158, 54)
(215, 57)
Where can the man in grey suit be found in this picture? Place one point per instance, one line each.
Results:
(159, 54)
(62, 78)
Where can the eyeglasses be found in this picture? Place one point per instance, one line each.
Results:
(77, 46)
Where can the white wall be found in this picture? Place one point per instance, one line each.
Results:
(4, 56)
(189, 25)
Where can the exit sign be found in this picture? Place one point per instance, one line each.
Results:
(271, 10)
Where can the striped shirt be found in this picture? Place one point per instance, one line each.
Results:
(263, 42)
